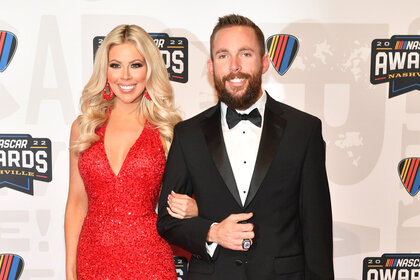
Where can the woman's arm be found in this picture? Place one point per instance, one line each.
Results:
(181, 206)
(76, 209)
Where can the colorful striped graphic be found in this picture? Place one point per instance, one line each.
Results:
(11, 266)
(391, 262)
(410, 177)
(8, 43)
(282, 50)
(401, 45)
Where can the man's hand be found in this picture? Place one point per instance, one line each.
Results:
(230, 232)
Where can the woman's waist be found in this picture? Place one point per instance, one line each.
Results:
(120, 215)
(119, 228)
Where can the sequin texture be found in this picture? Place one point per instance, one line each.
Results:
(119, 239)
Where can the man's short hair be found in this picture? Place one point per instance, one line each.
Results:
(237, 20)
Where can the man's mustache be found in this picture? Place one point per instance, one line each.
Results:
(238, 75)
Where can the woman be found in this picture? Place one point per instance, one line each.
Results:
(117, 158)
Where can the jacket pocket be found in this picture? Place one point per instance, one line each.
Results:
(285, 265)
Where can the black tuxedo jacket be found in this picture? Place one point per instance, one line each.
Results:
(288, 195)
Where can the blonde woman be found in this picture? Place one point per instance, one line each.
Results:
(117, 159)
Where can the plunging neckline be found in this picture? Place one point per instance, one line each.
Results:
(128, 153)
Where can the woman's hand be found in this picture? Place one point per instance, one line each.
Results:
(181, 206)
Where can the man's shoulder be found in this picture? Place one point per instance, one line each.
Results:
(292, 113)
(195, 121)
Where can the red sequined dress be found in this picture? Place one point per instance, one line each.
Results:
(119, 239)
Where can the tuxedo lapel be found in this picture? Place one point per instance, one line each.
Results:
(273, 128)
(212, 129)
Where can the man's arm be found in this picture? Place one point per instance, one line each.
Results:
(315, 210)
(191, 233)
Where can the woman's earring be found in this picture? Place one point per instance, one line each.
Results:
(146, 94)
(108, 94)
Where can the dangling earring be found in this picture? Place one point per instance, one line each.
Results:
(146, 94)
(108, 93)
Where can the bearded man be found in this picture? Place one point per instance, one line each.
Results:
(256, 168)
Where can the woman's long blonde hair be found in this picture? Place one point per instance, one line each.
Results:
(159, 111)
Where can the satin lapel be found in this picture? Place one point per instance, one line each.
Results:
(273, 128)
(212, 129)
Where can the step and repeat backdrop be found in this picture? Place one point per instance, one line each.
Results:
(354, 64)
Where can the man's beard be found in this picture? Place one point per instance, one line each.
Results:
(245, 100)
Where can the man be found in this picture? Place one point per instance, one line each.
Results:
(257, 170)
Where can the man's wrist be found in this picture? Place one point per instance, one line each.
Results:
(211, 234)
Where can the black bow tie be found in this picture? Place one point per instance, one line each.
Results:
(233, 117)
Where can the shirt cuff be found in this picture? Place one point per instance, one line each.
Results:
(211, 246)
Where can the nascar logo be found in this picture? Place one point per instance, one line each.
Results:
(397, 61)
(392, 267)
(282, 50)
(8, 43)
(408, 169)
(174, 52)
(181, 267)
(22, 160)
(11, 267)
(407, 45)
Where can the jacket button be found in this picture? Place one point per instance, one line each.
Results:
(238, 262)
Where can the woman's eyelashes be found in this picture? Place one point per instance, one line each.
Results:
(133, 65)
(114, 65)
(137, 65)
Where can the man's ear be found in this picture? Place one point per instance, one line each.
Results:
(210, 66)
(266, 63)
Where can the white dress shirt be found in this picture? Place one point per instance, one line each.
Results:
(242, 142)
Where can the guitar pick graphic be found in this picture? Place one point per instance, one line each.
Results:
(408, 169)
(11, 267)
(282, 49)
(8, 43)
